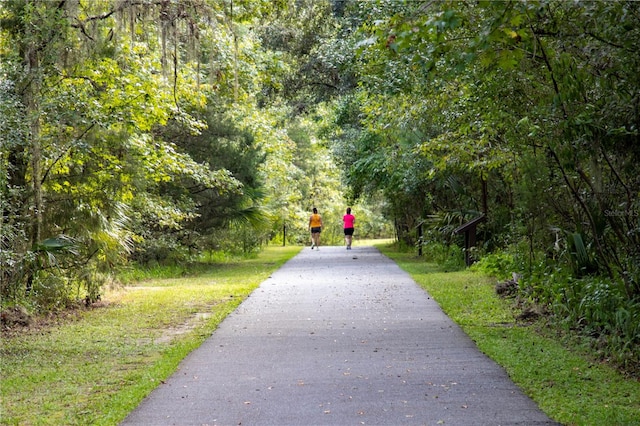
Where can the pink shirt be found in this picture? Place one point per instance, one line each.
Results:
(348, 220)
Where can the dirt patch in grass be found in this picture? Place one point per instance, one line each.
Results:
(16, 321)
(15, 317)
(169, 334)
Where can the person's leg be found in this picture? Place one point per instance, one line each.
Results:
(348, 237)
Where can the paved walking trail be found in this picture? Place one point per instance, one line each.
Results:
(338, 337)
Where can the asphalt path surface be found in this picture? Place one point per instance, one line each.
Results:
(338, 337)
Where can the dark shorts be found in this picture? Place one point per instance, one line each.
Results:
(348, 231)
(316, 230)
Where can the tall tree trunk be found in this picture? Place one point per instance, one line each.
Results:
(485, 195)
(35, 149)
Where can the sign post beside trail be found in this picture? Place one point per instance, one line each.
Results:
(469, 230)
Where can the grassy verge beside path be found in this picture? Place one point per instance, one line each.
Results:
(97, 367)
(566, 385)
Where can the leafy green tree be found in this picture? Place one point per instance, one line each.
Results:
(486, 87)
(89, 160)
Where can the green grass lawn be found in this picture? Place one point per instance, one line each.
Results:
(97, 367)
(569, 387)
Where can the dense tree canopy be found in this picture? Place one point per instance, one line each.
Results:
(527, 111)
(153, 130)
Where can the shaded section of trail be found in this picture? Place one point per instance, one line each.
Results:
(338, 337)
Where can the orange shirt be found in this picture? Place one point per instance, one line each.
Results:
(315, 221)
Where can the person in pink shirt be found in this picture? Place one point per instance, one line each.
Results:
(349, 220)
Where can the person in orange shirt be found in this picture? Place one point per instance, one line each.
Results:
(315, 226)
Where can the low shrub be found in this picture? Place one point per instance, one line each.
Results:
(598, 309)
(591, 308)
(499, 265)
(449, 256)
